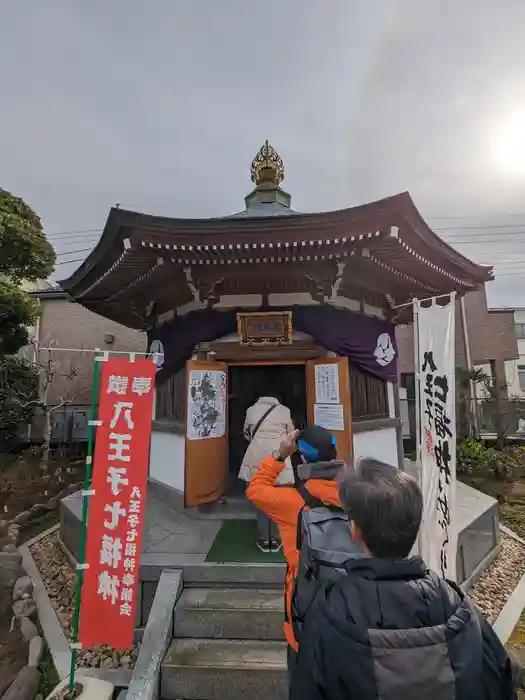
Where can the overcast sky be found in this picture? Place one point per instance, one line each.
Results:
(160, 105)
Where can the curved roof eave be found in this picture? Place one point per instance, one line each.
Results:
(124, 217)
(398, 205)
(413, 216)
(109, 236)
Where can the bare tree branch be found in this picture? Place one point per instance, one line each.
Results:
(64, 402)
(56, 376)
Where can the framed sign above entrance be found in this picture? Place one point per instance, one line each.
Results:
(265, 328)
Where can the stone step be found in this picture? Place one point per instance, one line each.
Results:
(240, 613)
(224, 669)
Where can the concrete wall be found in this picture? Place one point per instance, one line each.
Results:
(167, 452)
(166, 459)
(380, 444)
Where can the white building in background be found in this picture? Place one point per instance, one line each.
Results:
(515, 370)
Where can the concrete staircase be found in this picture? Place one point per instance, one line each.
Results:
(228, 644)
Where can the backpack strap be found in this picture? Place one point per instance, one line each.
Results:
(311, 501)
(261, 420)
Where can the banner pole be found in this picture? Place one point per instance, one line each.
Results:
(83, 527)
(417, 387)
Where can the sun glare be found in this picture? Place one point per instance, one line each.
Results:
(509, 145)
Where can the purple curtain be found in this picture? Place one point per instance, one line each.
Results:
(368, 342)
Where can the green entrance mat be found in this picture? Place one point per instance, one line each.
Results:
(235, 543)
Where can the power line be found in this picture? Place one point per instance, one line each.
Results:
(91, 237)
(459, 231)
(505, 264)
(71, 252)
(59, 234)
(68, 262)
(477, 228)
(482, 241)
(478, 216)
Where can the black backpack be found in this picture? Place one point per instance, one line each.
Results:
(325, 545)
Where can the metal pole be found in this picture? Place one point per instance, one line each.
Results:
(417, 388)
(83, 527)
(104, 354)
(417, 378)
(420, 301)
(473, 394)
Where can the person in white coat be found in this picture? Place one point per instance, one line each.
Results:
(266, 423)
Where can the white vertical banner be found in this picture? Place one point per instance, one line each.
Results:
(436, 406)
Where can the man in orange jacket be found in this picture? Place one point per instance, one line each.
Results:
(283, 504)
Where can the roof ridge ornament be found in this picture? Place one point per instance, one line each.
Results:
(267, 166)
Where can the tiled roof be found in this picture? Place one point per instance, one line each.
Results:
(263, 209)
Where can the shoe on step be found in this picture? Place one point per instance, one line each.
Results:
(275, 545)
(263, 545)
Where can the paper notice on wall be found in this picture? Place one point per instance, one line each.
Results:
(206, 404)
(329, 416)
(327, 383)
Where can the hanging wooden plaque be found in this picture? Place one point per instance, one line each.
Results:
(265, 328)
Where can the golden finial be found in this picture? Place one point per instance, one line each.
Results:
(267, 166)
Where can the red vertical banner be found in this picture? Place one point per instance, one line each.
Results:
(116, 508)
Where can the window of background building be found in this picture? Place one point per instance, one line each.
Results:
(520, 331)
(521, 376)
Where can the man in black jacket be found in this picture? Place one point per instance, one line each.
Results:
(391, 629)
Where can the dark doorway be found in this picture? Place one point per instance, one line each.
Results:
(246, 383)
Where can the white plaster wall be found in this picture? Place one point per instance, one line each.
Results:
(166, 459)
(404, 414)
(391, 400)
(379, 444)
(286, 299)
(254, 301)
(239, 301)
(166, 463)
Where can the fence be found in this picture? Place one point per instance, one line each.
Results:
(486, 418)
(69, 424)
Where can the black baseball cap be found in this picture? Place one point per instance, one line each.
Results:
(317, 444)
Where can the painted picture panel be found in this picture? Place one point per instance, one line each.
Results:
(206, 404)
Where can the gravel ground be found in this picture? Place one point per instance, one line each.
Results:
(60, 580)
(494, 588)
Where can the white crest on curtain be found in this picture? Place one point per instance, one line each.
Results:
(385, 351)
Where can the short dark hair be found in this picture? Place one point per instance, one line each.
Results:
(386, 505)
